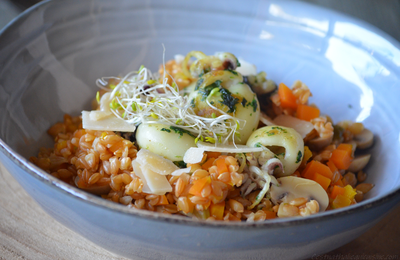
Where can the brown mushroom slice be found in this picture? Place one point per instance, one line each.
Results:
(359, 163)
(319, 143)
(294, 187)
(95, 189)
(364, 139)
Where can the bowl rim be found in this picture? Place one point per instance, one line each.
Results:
(96, 201)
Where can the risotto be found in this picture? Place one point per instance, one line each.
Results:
(208, 137)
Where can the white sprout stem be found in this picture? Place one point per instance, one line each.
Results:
(268, 179)
(162, 103)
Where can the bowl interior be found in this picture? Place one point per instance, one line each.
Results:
(51, 56)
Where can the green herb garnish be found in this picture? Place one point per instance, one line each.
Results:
(180, 164)
(244, 101)
(232, 71)
(205, 92)
(198, 83)
(228, 100)
(181, 131)
(299, 155)
(254, 104)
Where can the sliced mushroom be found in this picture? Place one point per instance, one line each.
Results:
(95, 189)
(319, 143)
(364, 139)
(294, 187)
(359, 163)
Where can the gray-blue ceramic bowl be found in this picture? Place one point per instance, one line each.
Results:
(51, 55)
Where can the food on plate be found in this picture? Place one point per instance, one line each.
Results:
(209, 137)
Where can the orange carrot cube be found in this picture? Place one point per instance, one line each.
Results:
(306, 113)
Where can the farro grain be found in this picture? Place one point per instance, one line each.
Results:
(179, 187)
(199, 200)
(350, 178)
(361, 176)
(298, 202)
(183, 204)
(236, 205)
(224, 177)
(206, 191)
(364, 187)
(125, 200)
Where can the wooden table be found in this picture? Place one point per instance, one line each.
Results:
(27, 232)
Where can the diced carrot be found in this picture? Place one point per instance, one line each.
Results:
(340, 201)
(339, 183)
(322, 180)
(308, 166)
(207, 205)
(221, 165)
(349, 192)
(336, 191)
(213, 154)
(270, 214)
(198, 185)
(341, 158)
(162, 201)
(316, 167)
(286, 96)
(345, 147)
(307, 113)
(208, 163)
(217, 210)
(332, 166)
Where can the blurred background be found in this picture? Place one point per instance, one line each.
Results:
(384, 14)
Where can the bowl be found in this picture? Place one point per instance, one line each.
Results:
(51, 55)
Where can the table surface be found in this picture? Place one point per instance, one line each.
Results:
(27, 232)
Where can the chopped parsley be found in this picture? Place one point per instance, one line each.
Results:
(244, 101)
(205, 92)
(181, 131)
(258, 144)
(237, 63)
(165, 130)
(198, 83)
(180, 164)
(228, 100)
(254, 104)
(275, 130)
(192, 104)
(279, 128)
(299, 154)
(232, 71)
